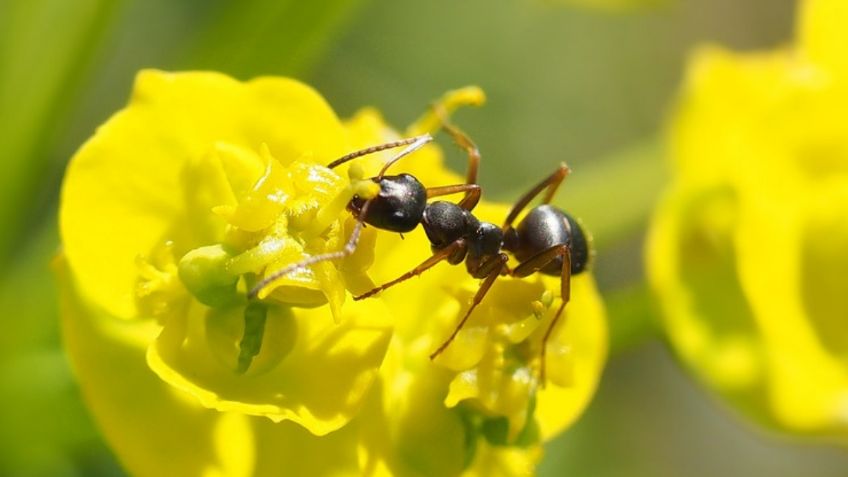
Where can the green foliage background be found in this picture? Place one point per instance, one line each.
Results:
(566, 82)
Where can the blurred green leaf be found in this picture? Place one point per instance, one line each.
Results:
(631, 315)
(46, 47)
(611, 5)
(28, 296)
(44, 428)
(261, 36)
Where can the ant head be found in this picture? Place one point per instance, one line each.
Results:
(397, 208)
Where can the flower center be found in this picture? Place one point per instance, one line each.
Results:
(272, 214)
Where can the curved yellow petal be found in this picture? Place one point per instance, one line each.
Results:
(286, 448)
(153, 428)
(822, 33)
(314, 372)
(118, 197)
(577, 354)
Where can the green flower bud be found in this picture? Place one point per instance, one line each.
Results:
(204, 273)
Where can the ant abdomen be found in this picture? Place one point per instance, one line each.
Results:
(546, 226)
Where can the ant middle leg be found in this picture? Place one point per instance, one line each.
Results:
(471, 189)
(437, 117)
(463, 141)
(550, 183)
(495, 266)
(534, 264)
(472, 194)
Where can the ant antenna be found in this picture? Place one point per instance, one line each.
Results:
(416, 144)
(380, 147)
(413, 144)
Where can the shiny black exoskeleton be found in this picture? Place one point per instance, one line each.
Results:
(397, 208)
(544, 227)
(402, 204)
(455, 234)
(446, 222)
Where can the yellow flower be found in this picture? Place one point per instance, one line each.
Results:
(749, 249)
(202, 187)
(177, 196)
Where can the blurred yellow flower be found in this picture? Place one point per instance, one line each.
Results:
(749, 249)
(204, 185)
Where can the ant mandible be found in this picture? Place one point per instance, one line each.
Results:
(547, 240)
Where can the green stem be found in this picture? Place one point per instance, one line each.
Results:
(255, 314)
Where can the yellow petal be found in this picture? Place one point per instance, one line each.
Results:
(822, 33)
(502, 461)
(152, 427)
(121, 194)
(577, 353)
(310, 370)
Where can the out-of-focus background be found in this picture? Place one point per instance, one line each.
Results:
(589, 86)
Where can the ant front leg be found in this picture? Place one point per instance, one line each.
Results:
(412, 144)
(471, 189)
(445, 253)
(346, 251)
(463, 141)
(551, 183)
(534, 264)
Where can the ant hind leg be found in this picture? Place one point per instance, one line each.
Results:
(550, 183)
(532, 265)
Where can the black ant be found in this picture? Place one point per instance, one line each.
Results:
(547, 240)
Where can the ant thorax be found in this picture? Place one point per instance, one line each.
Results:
(446, 222)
